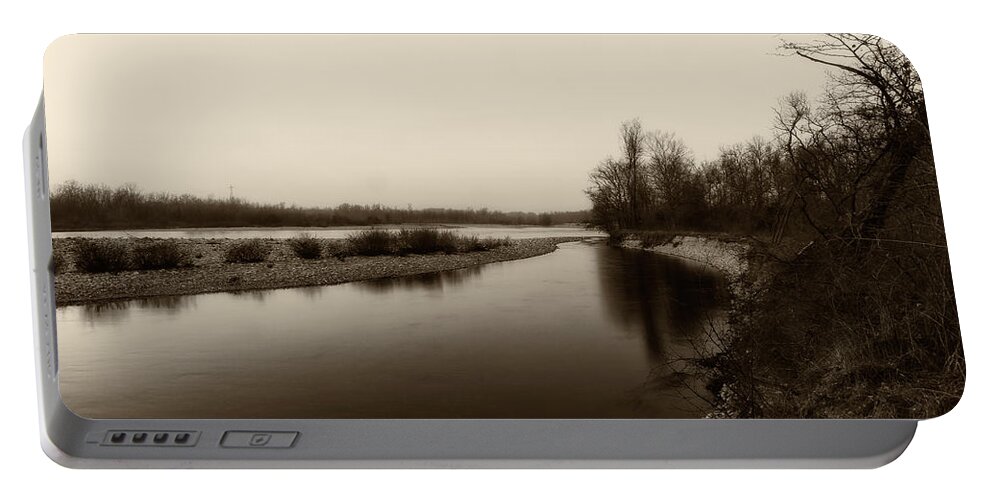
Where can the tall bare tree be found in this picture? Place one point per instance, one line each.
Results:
(669, 167)
(873, 127)
(633, 140)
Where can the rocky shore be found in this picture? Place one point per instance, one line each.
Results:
(209, 272)
(728, 257)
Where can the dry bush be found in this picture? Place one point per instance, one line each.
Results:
(339, 249)
(372, 242)
(102, 255)
(248, 251)
(164, 254)
(306, 246)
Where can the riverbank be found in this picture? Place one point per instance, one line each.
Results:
(810, 332)
(208, 272)
(729, 256)
(726, 255)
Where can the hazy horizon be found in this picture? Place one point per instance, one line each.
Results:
(509, 123)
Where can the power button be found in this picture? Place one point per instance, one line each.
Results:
(258, 439)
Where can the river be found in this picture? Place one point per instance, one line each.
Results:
(581, 332)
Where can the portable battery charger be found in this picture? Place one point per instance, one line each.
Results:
(486, 251)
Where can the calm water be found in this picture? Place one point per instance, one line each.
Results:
(578, 333)
(491, 231)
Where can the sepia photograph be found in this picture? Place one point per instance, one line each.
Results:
(497, 226)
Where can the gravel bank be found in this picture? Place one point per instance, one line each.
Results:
(209, 273)
(725, 256)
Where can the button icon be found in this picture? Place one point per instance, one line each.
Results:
(253, 439)
(260, 439)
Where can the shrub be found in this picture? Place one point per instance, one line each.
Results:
(103, 255)
(417, 241)
(414, 241)
(306, 246)
(471, 244)
(422, 241)
(247, 251)
(475, 244)
(448, 242)
(339, 249)
(164, 254)
(372, 242)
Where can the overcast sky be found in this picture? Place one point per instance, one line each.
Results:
(505, 122)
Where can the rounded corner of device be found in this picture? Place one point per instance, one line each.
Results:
(890, 454)
(57, 454)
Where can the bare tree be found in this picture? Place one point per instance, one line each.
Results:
(856, 268)
(669, 166)
(610, 194)
(619, 189)
(873, 121)
(633, 141)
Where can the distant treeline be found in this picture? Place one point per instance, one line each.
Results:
(657, 184)
(77, 206)
(853, 313)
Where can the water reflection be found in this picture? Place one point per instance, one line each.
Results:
(429, 281)
(577, 333)
(255, 295)
(118, 310)
(310, 292)
(663, 296)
